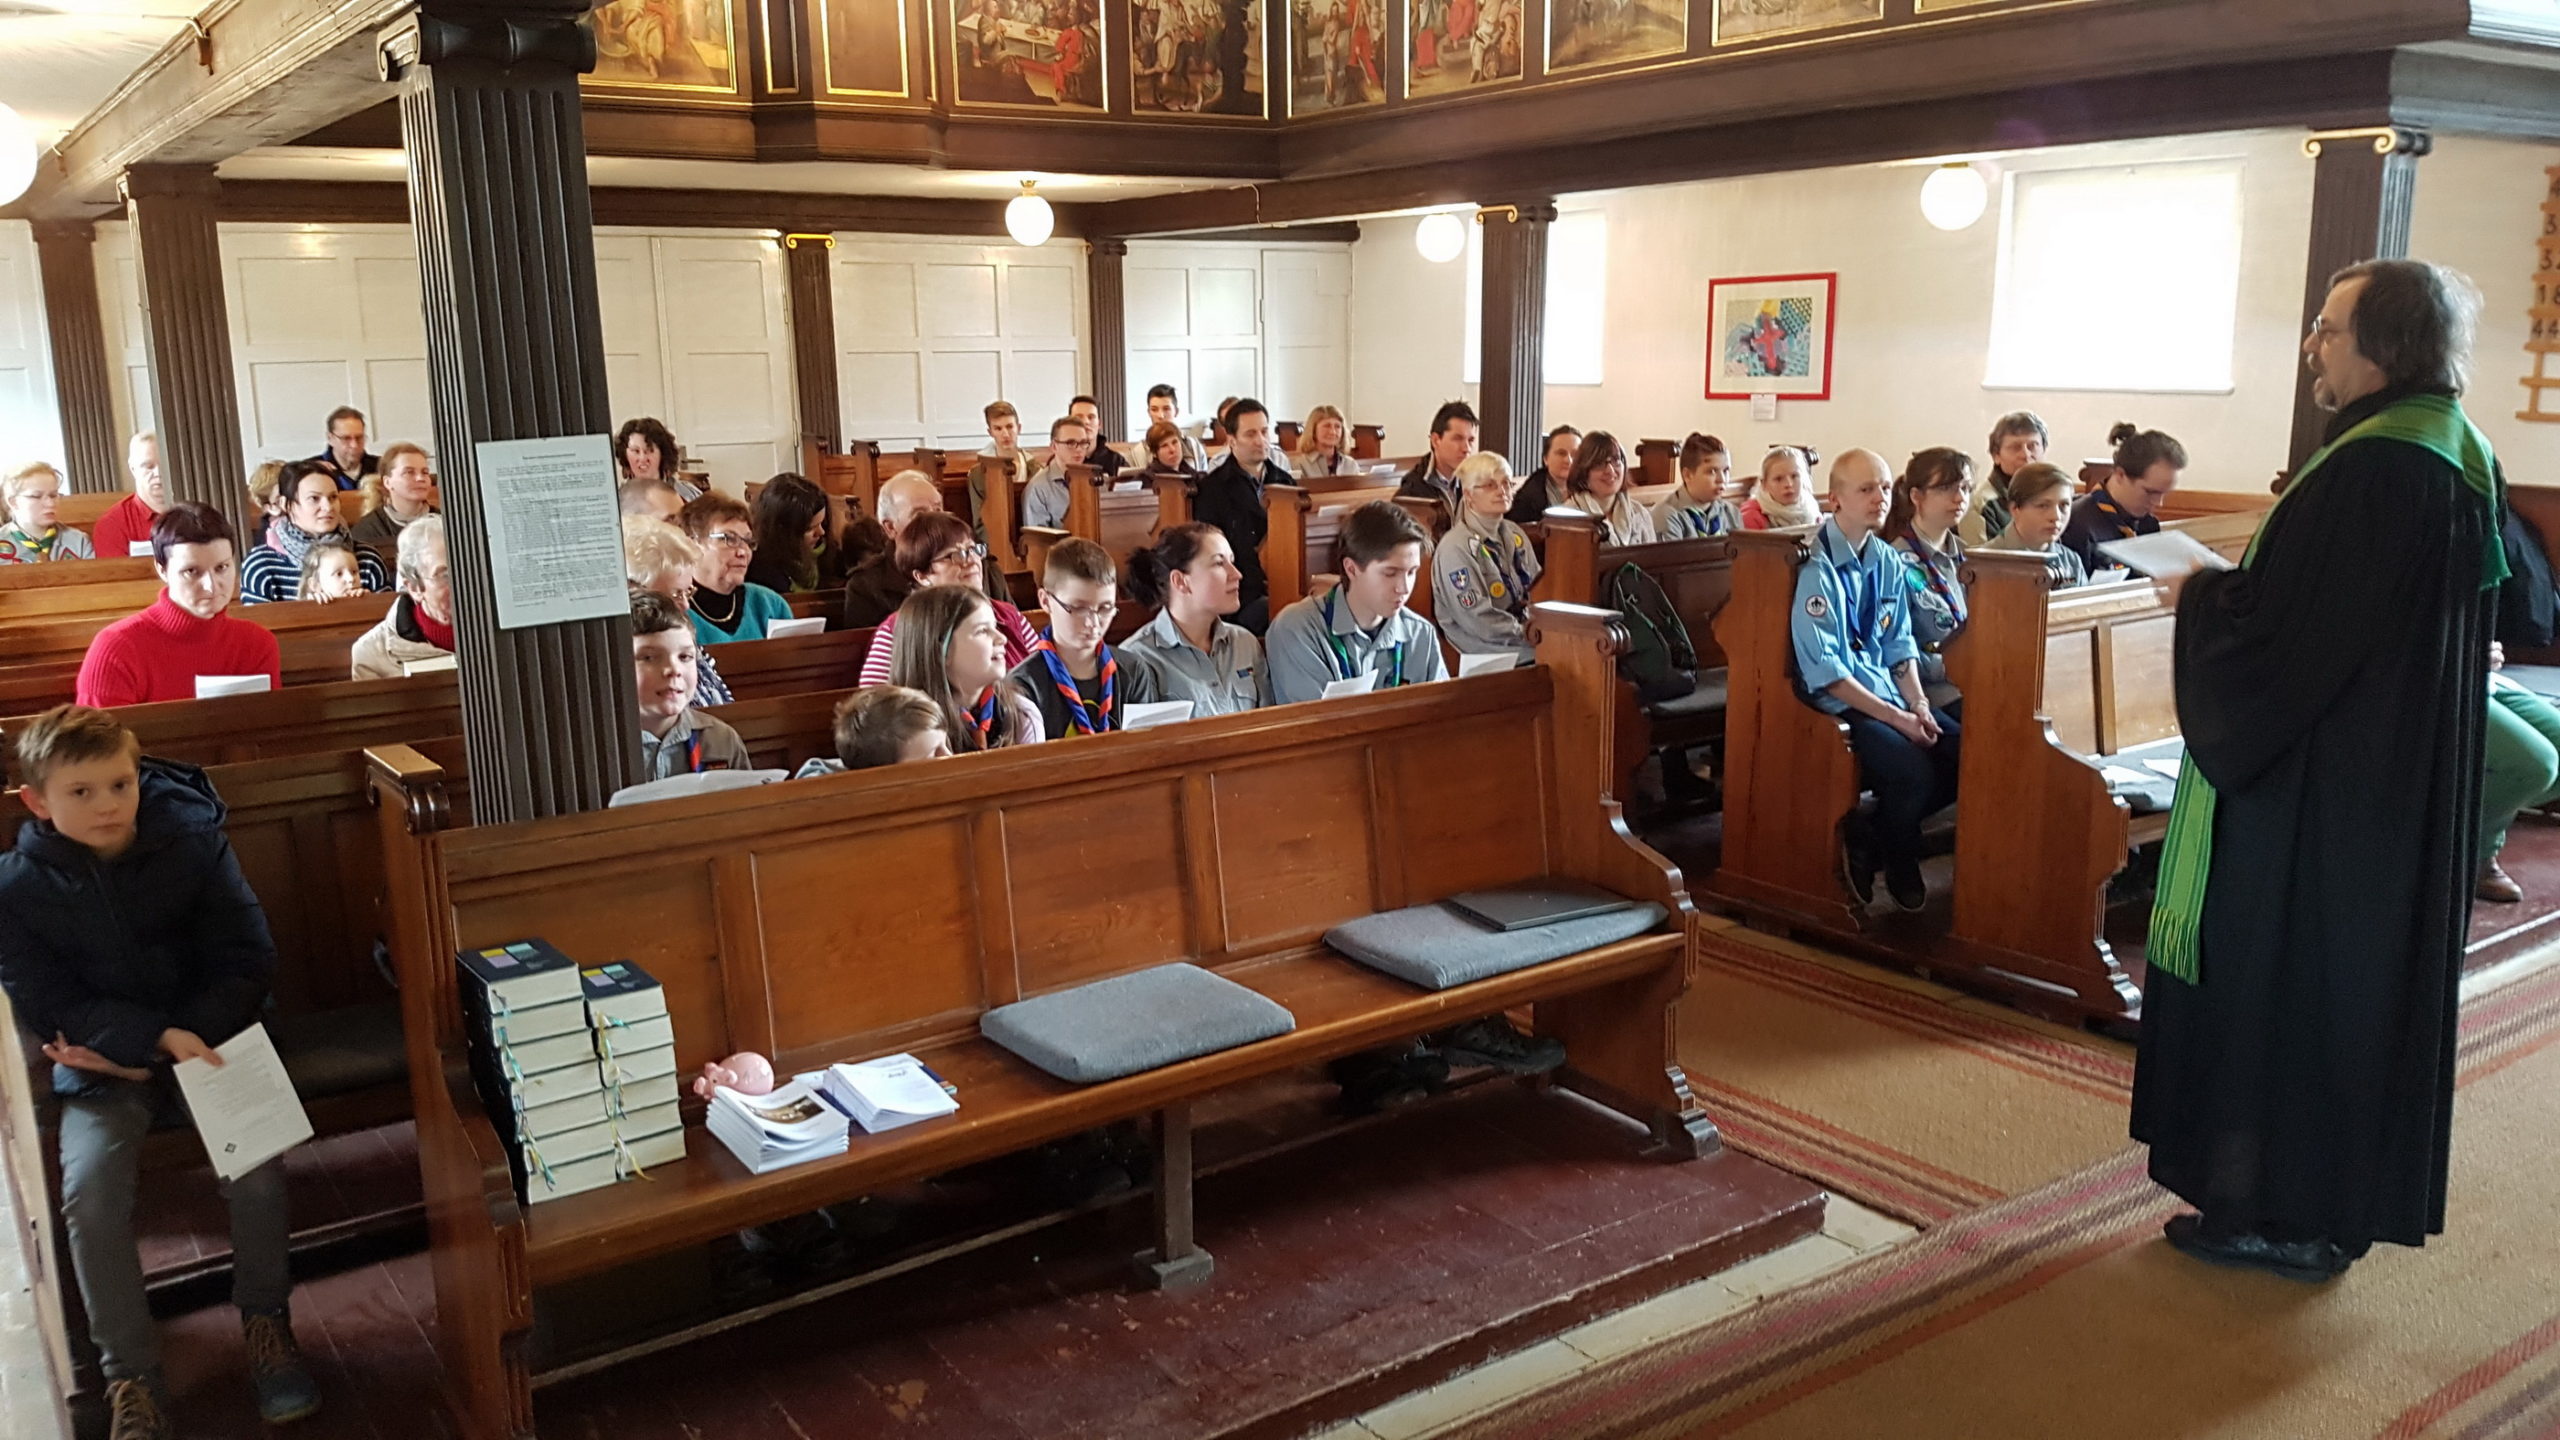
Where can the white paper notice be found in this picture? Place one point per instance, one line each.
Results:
(1487, 664)
(140, 548)
(555, 532)
(429, 666)
(208, 686)
(796, 625)
(1360, 684)
(1764, 408)
(1147, 714)
(246, 1111)
(2165, 555)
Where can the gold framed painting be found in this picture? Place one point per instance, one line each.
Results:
(1337, 54)
(1028, 54)
(1582, 34)
(1197, 57)
(1462, 45)
(865, 45)
(1741, 20)
(667, 45)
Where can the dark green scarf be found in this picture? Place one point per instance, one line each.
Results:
(2434, 423)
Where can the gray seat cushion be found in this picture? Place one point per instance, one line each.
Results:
(1707, 699)
(1134, 1022)
(2143, 789)
(1436, 946)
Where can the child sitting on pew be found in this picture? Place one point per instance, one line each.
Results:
(33, 536)
(1783, 499)
(675, 738)
(1482, 569)
(1190, 576)
(881, 725)
(1359, 627)
(1699, 506)
(330, 571)
(1856, 658)
(950, 647)
(2039, 504)
(1927, 505)
(1081, 687)
(129, 936)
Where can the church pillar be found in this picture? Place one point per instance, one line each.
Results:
(2364, 185)
(187, 332)
(810, 262)
(515, 351)
(1106, 292)
(1513, 400)
(68, 266)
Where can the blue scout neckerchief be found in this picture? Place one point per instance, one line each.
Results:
(1342, 652)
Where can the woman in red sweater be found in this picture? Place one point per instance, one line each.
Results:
(160, 653)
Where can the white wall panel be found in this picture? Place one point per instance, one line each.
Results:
(313, 310)
(928, 331)
(1215, 320)
(30, 425)
(725, 346)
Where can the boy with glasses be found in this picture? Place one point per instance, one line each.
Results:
(1080, 684)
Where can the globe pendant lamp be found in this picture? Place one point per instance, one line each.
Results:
(1028, 218)
(1441, 238)
(1954, 196)
(18, 152)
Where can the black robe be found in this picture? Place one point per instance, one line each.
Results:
(2334, 695)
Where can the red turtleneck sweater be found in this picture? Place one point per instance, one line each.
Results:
(158, 654)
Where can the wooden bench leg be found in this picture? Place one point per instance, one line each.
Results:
(1177, 1262)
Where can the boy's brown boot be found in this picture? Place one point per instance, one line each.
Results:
(138, 1409)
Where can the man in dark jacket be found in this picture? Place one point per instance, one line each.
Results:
(129, 937)
(1435, 475)
(1230, 497)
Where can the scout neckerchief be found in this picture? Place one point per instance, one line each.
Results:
(1342, 652)
(1924, 570)
(982, 720)
(40, 549)
(1864, 599)
(2434, 423)
(2105, 504)
(1086, 722)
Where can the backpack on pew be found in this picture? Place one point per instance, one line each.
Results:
(2527, 611)
(1659, 659)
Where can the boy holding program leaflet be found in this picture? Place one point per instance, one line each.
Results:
(183, 965)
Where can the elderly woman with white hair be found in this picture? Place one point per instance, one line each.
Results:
(1483, 567)
(419, 625)
(660, 558)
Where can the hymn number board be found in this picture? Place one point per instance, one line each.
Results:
(2542, 340)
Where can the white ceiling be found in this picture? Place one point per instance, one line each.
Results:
(296, 162)
(60, 58)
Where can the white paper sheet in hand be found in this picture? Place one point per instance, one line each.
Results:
(208, 686)
(140, 548)
(2165, 767)
(1469, 665)
(1360, 684)
(2164, 556)
(245, 1111)
(796, 625)
(432, 665)
(2118, 775)
(1147, 714)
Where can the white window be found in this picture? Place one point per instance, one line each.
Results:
(1577, 298)
(2118, 278)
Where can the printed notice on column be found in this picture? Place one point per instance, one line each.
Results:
(555, 533)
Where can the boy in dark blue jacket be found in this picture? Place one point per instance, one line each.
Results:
(129, 937)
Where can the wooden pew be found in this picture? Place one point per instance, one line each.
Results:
(1657, 463)
(83, 509)
(1368, 442)
(75, 589)
(346, 715)
(760, 669)
(43, 658)
(1298, 543)
(1284, 436)
(711, 896)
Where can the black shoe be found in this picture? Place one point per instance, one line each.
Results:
(1376, 1080)
(2307, 1262)
(1858, 872)
(1902, 881)
(276, 1370)
(1491, 1042)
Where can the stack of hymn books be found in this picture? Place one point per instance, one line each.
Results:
(886, 1093)
(791, 1126)
(537, 1059)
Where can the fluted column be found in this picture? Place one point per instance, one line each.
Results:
(515, 350)
(187, 331)
(1515, 328)
(810, 263)
(1106, 292)
(67, 263)
(2364, 186)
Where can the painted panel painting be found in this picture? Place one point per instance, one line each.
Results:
(1196, 57)
(667, 45)
(1337, 54)
(866, 46)
(1761, 19)
(1044, 54)
(1583, 33)
(1462, 43)
(1770, 335)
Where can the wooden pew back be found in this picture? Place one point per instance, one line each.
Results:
(43, 668)
(83, 509)
(75, 589)
(1298, 543)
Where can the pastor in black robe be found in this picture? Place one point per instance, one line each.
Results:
(2333, 693)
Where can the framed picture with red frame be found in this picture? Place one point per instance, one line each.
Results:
(1770, 335)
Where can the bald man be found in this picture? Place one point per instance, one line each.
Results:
(875, 586)
(1856, 657)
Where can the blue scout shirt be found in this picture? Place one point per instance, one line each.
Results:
(1852, 619)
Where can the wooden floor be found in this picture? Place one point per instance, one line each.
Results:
(1351, 1269)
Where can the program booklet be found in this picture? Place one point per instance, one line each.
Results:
(886, 1093)
(791, 1126)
